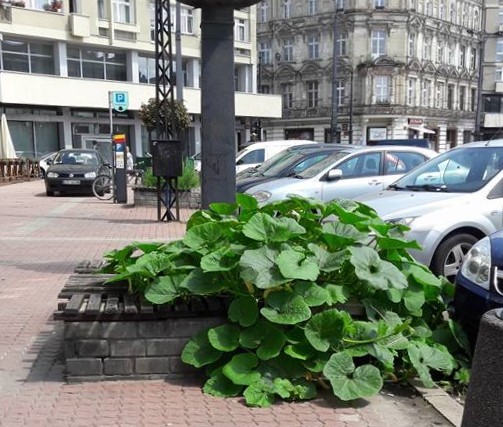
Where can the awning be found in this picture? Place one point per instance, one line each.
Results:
(421, 129)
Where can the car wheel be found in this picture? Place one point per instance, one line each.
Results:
(49, 193)
(450, 255)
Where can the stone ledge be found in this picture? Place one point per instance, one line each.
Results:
(147, 196)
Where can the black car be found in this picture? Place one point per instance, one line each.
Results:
(284, 164)
(73, 170)
(479, 284)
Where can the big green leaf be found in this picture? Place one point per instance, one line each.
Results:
(265, 228)
(423, 357)
(223, 259)
(349, 383)
(240, 370)
(202, 283)
(337, 293)
(285, 308)
(223, 208)
(199, 351)
(339, 235)
(394, 243)
(258, 266)
(313, 294)
(202, 234)
(164, 289)
(375, 272)
(413, 298)
(243, 310)
(255, 395)
(265, 337)
(295, 265)
(326, 329)
(224, 337)
(328, 261)
(220, 386)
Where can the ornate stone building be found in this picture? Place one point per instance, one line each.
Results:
(404, 69)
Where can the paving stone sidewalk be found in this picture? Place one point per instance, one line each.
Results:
(42, 239)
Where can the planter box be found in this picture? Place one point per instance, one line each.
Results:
(111, 335)
(147, 196)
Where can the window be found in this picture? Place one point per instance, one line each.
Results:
(401, 162)
(312, 7)
(340, 90)
(426, 93)
(493, 104)
(378, 41)
(453, 12)
(312, 94)
(441, 10)
(264, 52)
(341, 44)
(339, 4)
(412, 45)
(439, 97)
(473, 100)
(146, 69)
(499, 73)
(429, 8)
(313, 46)
(263, 9)
(499, 50)
(286, 9)
(95, 64)
(427, 48)
(473, 58)
(241, 32)
(462, 56)
(440, 51)
(123, 12)
(450, 97)
(287, 91)
(186, 19)
(288, 49)
(379, 4)
(381, 89)
(27, 57)
(411, 91)
(462, 98)
(450, 54)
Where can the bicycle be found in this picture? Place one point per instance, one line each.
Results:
(103, 186)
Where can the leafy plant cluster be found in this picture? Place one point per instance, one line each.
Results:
(292, 270)
(171, 114)
(188, 180)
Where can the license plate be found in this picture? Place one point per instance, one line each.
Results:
(71, 182)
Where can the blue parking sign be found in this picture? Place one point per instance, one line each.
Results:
(120, 101)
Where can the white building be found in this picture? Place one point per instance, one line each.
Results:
(58, 63)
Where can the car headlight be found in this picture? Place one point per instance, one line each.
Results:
(90, 175)
(477, 264)
(52, 175)
(262, 196)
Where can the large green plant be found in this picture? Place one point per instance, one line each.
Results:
(292, 269)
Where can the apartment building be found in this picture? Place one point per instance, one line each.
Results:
(402, 69)
(59, 60)
(490, 115)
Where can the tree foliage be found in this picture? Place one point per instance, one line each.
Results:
(172, 114)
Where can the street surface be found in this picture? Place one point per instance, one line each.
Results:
(42, 239)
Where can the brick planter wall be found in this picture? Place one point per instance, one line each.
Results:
(103, 350)
(147, 196)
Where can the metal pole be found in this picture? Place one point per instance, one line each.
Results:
(351, 108)
(110, 116)
(333, 117)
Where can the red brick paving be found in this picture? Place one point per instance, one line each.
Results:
(42, 239)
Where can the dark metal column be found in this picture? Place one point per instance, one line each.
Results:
(218, 147)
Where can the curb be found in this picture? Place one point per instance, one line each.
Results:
(448, 407)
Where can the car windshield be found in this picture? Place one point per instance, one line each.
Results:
(462, 170)
(321, 165)
(76, 158)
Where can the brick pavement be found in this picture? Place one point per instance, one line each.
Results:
(41, 241)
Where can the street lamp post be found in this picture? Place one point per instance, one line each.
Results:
(334, 110)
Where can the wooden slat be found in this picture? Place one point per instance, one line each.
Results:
(74, 304)
(130, 304)
(112, 304)
(94, 304)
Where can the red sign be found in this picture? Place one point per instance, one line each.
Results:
(416, 121)
(120, 138)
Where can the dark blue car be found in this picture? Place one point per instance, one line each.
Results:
(479, 283)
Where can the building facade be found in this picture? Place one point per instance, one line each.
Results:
(490, 114)
(59, 61)
(402, 69)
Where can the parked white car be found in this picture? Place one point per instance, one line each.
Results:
(347, 173)
(258, 152)
(449, 203)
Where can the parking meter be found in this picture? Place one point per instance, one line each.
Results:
(120, 164)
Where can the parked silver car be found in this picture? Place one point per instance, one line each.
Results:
(449, 203)
(347, 173)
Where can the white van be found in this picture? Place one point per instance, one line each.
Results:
(258, 152)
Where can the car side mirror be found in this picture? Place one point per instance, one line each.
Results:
(49, 161)
(334, 174)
